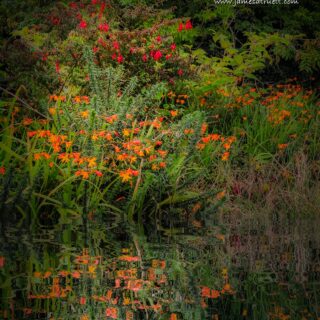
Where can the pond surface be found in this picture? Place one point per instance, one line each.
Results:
(219, 266)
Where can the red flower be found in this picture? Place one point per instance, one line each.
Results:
(158, 38)
(55, 21)
(180, 72)
(168, 56)
(57, 67)
(94, 1)
(181, 27)
(82, 24)
(114, 56)
(102, 7)
(2, 170)
(73, 5)
(157, 55)
(120, 58)
(116, 45)
(188, 25)
(173, 47)
(144, 58)
(98, 173)
(44, 57)
(102, 42)
(104, 27)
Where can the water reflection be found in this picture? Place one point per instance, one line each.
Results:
(63, 266)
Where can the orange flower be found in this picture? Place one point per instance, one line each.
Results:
(76, 274)
(200, 146)
(86, 99)
(154, 167)
(77, 99)
(188, 131)
(162, 153)
(221, 195)
(126, 175)
(227, 146)
(225, 156)
(91, 162)
(227, 289)
(282, 146)
(30, 134)
(112, 118)
(52, 111)
(174, 113)
(162, 164)
(126, 132)
(215, 294)
(64, 157)
(129, 315)
(68, 144)
(63, 273)
(82, 173)
(205, 139)
(135, 285)
(84, 114)
(27, 121)
(214, 137)
(38, 156)
(205, 292)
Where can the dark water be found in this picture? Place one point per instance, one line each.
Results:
(219, 266)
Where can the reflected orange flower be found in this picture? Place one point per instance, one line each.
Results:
(112, 312)
(82, 300)
(129, 258)
(76, 274)
(173, 316)
(282, 146)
